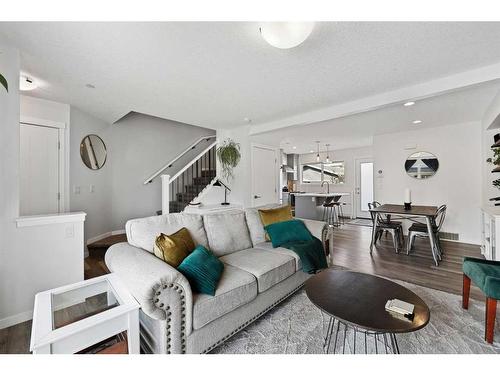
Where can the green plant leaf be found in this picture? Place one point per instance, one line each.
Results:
(229, 156)
(4, 83)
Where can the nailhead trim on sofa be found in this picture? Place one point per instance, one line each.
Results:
(180, 290)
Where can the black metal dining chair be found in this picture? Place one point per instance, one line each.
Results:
(385, 224)
(420, 230)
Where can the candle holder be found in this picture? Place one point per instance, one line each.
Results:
(407, 206)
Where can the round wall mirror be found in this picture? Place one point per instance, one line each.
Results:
(93, 151)
(421, 165)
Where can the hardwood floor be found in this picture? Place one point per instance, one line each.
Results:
(351, 246)
(350, 250)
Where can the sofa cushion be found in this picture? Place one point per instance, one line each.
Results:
(203, 270)
(255, 226)
(236, 288)
(280, 250)
(175, 247)
(227, 232)
(143, 232)
(269, 268)
(284, 232)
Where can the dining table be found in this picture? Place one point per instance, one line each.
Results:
(428, 213)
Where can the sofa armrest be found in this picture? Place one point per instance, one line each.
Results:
(162, 291)
(319, 229)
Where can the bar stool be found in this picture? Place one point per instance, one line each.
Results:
(328, 210)
(337, 207)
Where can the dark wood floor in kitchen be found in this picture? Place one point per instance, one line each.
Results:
(350, 250)
(351, 246)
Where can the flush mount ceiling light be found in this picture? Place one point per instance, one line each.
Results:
(408, 104)
(286, 35)
(416, 122)
(26, 84)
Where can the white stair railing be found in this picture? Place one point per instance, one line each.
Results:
(190, 181)
(209, 138)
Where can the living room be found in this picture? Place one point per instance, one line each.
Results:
(308, 186)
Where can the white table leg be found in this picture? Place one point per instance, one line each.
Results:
(431, 239)
(133, 338)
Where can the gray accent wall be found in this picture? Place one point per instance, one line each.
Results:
(96, 203)
(140, 145)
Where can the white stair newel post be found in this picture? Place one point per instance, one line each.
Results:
(165, 194)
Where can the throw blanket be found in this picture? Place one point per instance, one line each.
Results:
(311, 254)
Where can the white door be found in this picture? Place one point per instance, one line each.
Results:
(364, 187)
(264, 175)
(39, 170)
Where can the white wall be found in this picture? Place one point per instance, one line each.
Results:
(140, 145)
(96, 204)
(457, 182)
(241, 184)
(34, 258)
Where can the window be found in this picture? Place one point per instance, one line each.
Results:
(318, 172)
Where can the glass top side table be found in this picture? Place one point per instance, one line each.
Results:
(74, 317)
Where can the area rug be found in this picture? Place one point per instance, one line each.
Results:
(298, 327)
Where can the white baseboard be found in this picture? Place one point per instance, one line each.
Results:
(16, 319)
(104, 235)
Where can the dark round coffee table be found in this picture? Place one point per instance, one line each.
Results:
(357, 300)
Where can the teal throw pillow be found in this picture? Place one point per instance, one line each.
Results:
(202, 269)
(288, 231)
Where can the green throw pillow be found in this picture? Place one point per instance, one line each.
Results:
(288, 231)
(202, 269)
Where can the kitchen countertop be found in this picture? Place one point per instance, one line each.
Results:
(326, 195)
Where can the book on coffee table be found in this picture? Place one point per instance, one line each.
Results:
(399, 307)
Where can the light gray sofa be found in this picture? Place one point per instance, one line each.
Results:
(256, 278)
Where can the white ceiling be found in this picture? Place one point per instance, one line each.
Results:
(215, 74)
(465, 105)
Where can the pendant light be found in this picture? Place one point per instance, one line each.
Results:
(327, 153)
(317, 155)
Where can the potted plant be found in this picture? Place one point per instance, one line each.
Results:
(4, 83)
(495, 160)
(229, 156)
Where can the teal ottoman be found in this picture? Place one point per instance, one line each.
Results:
(486, 276)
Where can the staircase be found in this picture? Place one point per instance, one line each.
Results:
(190, 185)
(192, 180)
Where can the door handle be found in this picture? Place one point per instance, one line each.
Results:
(257, 196)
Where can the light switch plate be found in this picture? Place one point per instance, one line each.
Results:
(76, 189)
(91, 188)
(70, 231)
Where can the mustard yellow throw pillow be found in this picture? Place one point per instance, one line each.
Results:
(275, 215)
(173, 248)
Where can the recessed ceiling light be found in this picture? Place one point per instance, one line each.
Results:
(294, 147)
(417, 122)
(26, 84)
(311, 151)
(408, 104)
(247, 120)
(90, 86)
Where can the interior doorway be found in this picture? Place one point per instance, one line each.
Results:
(364, 186)
(264, 175)
(40, 170)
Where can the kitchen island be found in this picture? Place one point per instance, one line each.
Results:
(310, 205)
